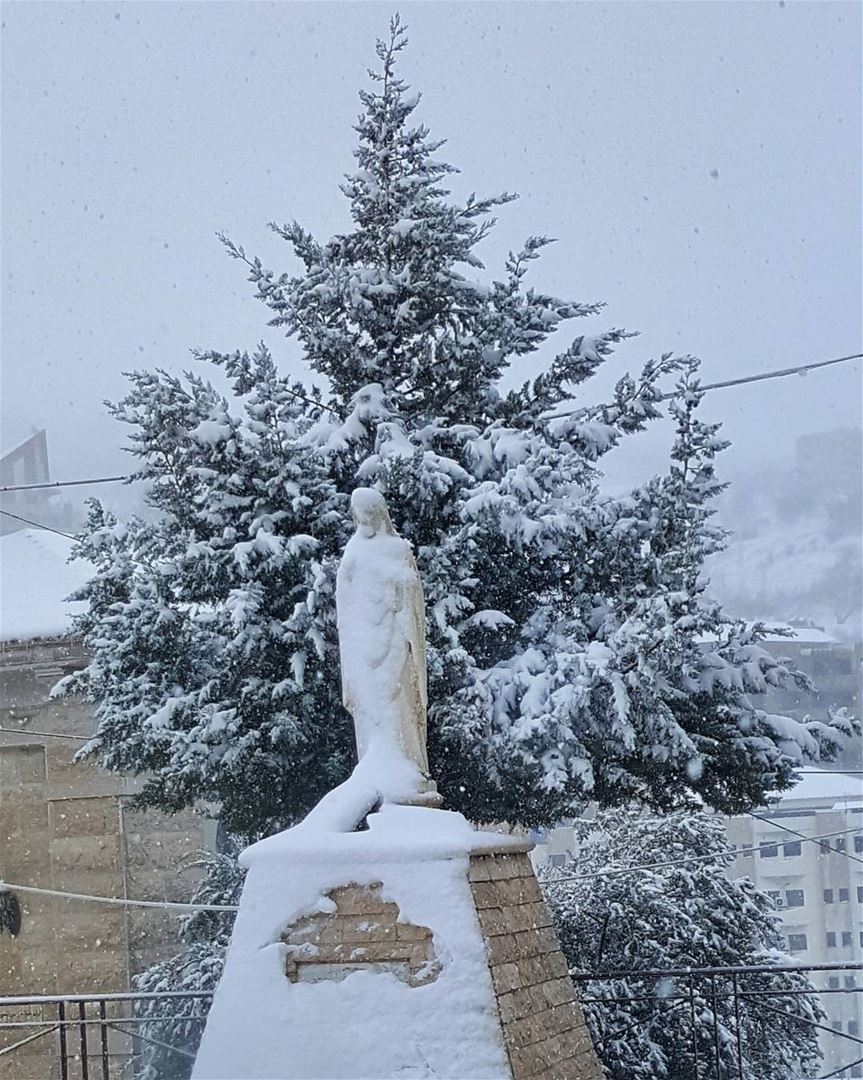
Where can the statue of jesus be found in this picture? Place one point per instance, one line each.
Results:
(381, 622)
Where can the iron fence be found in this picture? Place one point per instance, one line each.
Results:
(717, 1003)
(86, 1036)
(103, 1036)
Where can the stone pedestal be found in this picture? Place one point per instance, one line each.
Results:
(541, 1021)
(418, 947)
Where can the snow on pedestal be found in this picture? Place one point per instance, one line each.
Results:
(358, 1021)
(416, 947)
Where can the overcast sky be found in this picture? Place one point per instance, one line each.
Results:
(699, 163)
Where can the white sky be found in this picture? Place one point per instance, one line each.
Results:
(699, 163)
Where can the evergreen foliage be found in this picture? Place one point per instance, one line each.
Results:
(176, 1022)
(572, 653)
(672, 917)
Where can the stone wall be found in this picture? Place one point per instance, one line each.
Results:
(542, 1022)
(67, 825)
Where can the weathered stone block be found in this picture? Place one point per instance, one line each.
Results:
(84, 817)
(506, 977)
(359, 899)
(479, 868)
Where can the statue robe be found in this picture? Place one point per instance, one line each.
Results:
(381, 622)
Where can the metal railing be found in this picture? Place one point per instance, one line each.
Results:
(716, 1004)
(104, 1036)
(88, 1036)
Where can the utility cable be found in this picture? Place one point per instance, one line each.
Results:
(123, 902)
(63, 483)
(801, 369)
(38, 525)
(780, 373)
(801, 835)
(45, 734)
(172, 905)
(682, 862)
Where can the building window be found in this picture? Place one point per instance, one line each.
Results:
(793, 848)
(557, 860)
(836, 1025)
(831, 939)
(846, 937)
(828, 896)
(841, 844)
(861, 939)
(824, 847)
(858, 844)
(833, 982)
(797, 943)
(860, 894)
(850, 982)
(769, 851)
(794, 898)
(853, 1027)
(843, 896)
(775, 895)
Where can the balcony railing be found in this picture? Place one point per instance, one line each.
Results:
(93, 1036)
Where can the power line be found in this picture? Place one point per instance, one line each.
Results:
(682, 862)
(38, 524)
(44, 734)
(778, 374)
(63, 483)
(123, 902)
(173, 905)
(801, 835)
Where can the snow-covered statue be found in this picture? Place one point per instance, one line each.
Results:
(381, 622)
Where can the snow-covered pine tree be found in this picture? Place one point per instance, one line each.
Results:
(571, 654)
(678, 916)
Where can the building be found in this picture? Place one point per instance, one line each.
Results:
(818, 887)
(67, 825)
(836, 671)
(26, 463)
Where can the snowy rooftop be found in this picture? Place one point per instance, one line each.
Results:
(804, 635)
(825, 786)
(35, 579)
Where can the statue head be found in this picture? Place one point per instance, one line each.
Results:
(370, 513)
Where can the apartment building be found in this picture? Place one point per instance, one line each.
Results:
(818, 887)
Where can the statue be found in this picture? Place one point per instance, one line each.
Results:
(381, 622)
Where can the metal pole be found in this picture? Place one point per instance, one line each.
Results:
(716, 1048)
(694, 1029)
(64, 1062)
(103, 1033)
(82, 1036)
(737, 1028)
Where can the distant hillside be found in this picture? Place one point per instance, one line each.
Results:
(795, 549)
